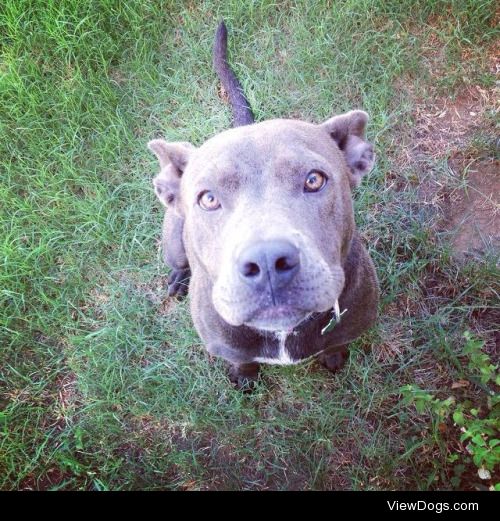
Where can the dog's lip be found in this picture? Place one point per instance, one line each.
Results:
(275, 311)
(277, 317)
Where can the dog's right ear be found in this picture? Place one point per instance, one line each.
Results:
(176, 154)
(173, 158)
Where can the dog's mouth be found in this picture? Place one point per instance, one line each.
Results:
(313, 290)
(277, 318)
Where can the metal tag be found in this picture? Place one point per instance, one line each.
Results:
(336, 315)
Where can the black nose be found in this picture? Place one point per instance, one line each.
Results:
(276, 262)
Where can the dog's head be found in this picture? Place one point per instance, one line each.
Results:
(268, 213)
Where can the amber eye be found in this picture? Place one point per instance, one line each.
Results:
(315, 181)
(208, 201)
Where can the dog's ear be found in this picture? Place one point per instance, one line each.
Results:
(173, 158)
(176, 154)
(348, 131)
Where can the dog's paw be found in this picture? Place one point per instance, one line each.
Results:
(333, 361)
(244, 384)
(178, 282)
(244, 377)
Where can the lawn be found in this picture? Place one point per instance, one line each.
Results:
(104, 383)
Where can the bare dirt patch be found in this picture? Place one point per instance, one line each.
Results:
(465, 198)
(468, 197)
(52, 478)
(474, 214)
(446, 124)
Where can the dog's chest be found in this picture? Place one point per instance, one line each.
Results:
(282, 356)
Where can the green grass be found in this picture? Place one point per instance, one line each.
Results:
(104, 384)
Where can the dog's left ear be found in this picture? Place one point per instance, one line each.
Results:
(348, 131)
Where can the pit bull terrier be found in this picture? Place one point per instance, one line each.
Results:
(261, 216)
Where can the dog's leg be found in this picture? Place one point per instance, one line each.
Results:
(178, 282)
(174, 255)
(244, 376)
(334, 359)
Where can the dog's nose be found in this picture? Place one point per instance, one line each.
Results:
(276, 262)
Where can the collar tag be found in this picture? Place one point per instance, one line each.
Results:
(336, 315)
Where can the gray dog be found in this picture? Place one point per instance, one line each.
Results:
(261, 216)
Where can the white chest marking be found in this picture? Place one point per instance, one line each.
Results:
(283, 357)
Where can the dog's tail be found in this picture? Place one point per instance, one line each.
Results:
(242, 113)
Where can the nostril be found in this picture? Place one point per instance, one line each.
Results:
(284, 264)
(281, 264)
(250, 269)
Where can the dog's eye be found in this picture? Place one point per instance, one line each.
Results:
(315, 181)
(208, 201)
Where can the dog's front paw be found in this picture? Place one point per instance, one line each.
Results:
(178, 282)
(244, 384)
(333, 361)
(244, 377)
